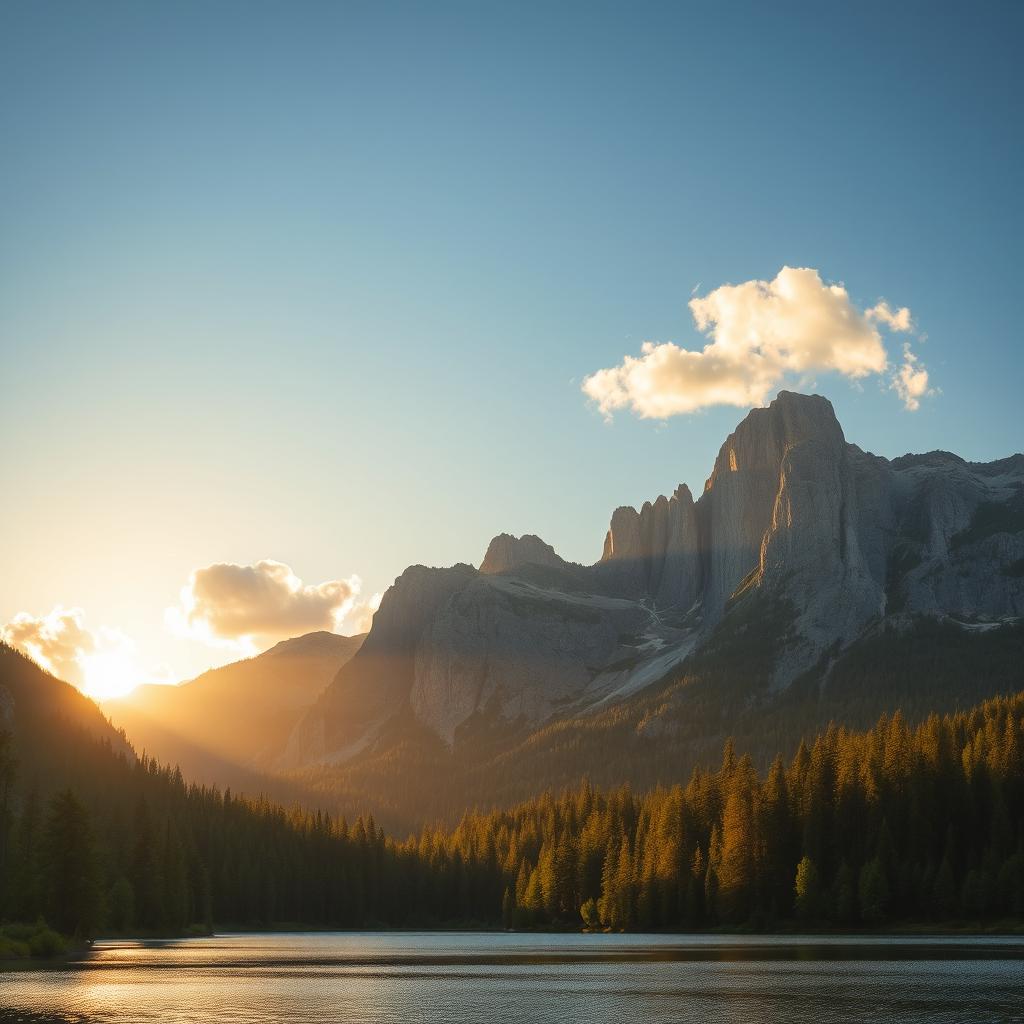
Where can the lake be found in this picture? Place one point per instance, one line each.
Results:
(436, 977)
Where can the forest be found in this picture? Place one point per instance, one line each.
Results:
(860, 829)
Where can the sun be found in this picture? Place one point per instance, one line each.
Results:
(109, 674)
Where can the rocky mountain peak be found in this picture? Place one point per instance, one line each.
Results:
(506, 553)
(738, 505)
(656, 551)
(765, 435)
(410, 603)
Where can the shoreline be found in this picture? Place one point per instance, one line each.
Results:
(77, 957)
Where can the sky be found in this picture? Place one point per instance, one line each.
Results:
(294, 295)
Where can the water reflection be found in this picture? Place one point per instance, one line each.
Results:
(433, 977)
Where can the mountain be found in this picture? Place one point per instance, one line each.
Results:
(48, 718)
(810, 582)
(796, 528)
(237, 716)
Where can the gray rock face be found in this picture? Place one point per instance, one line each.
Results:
(791, 510)
(506, 553)
(738, 506)
(506, 647)
(960, 551)
(854, 538)
(375, 685)
(656, 552)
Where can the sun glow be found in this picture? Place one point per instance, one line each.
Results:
(107, 674)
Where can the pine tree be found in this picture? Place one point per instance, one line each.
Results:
(121, 905)
(780, 853)
(807, 889)
(7, 776)
(944, 890)
(147, 873)
(844, 896)
(26, 896)
(873, 892)
(590, 914)
(72, 871)
(508, 908)
(610, 898)
(695, 891)
(175, 897)
(711, 875)
(736, 871)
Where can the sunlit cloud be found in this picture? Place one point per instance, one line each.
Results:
(100, 662)
(910, 381)
(58, 641)
(245, 607)
(360, 618)
(762, 333)
(895, 320)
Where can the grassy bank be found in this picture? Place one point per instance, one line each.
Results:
(19, 941)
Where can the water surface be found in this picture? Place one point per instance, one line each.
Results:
(435, 978)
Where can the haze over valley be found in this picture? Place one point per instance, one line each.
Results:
(753, 611)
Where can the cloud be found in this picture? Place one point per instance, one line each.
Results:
(245, 606)
(58, 642)
(360, 618)
(910, 381)
(761, 333)
(898, 320)
(99, 662)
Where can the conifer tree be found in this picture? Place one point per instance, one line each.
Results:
(873, 892)
(807, 889)
(72, 877)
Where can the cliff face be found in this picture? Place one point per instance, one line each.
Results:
(792, 513)
(738, 506)
(375, 685)
(656, 552)
(512, 649)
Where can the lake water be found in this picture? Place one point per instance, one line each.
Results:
(440, 977)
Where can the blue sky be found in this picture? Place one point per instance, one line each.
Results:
(321, 282)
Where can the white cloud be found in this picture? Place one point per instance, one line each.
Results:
(910, 381)
(247, 606)
(761, 332)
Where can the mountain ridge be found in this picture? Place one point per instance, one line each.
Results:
(237, 716)
(759, 609)
(791, 512)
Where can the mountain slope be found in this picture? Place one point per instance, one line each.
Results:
(47, 717)
(240, 715)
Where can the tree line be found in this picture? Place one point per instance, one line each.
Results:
(895, 823)
(859, 829)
